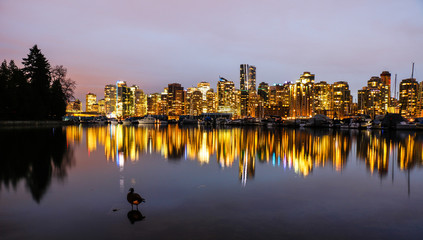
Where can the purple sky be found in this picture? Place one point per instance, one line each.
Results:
(153, 43)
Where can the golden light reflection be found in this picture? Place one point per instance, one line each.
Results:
(298, 150)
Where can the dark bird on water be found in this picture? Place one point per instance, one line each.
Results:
(134, 198)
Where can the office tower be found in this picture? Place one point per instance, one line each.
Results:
(211, 101)
(176, 99)
(90, 100)
(153, 104)
(140, 103)
(301, 96)
(110, 98)
(342, 100)
(102, 106)
(409, 89)
(279, 100)
(322, 98)
(375, 98)
(226, 98)
(124, 100)
(247, 87)
(386, 90)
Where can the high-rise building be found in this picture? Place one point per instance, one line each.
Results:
(247, 86)
(301, 94)
(323, 98)
(375, 98)
(342, 99)
(140, 103)
(154, 104)
(122, 93)
(279, 100)
(102, 106)
(110, 98)
(90, 100)
(211, 101)
(176, 99)
(409, 89)
(226, 97)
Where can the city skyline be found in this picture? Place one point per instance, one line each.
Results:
(151, 44)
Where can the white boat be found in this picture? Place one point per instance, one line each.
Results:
(147, 120)
(114, 121)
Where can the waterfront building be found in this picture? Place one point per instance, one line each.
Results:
(101, 106)
(247, 86)
(301, 96)
(342, 100)
(176, 100)
(226, 97)
(323, 99)
(140, 103)
(110, 98)
(154, 104)
(279, 100)
(124, 100)
(74, 106)
(375, 98)
(211, 101)
(90, 100)
(409, 89)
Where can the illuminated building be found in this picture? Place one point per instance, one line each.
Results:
(204, 88)
(176, 100)
(279, 100)
(342, 99)
(140, 103)
(262, 99)
(420, 100)
(226, 96)
(153, 104)
(386, 90)
(102, 106)
(211, 101)
(247, 86)
(196, 103)
(375, 98)
(74, 106)
(301, 96)
(90, 100)
(123, 100)
(110, 98)
(322, 100)
(409, 89)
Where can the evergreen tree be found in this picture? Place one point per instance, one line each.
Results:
(58, 101)
(37, 70)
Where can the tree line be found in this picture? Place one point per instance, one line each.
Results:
(35, 92)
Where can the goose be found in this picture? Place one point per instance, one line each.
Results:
(134, 198)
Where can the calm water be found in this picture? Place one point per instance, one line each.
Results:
(236, 183)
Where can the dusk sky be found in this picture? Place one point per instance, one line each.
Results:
(153, 43)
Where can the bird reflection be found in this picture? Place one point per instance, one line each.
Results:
(135, 216)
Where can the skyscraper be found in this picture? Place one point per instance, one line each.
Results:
(176, 100)
(226, 99)
(110, 98)
(247, 88)
(409, 89)
(91, 99)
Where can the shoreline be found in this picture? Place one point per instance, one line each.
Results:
(35, 123)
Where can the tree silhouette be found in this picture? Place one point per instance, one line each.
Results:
(35, 92)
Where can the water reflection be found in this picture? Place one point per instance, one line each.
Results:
(135, 216)
(34, 156)
(298, 150)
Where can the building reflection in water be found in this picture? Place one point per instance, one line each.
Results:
(298, 150)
